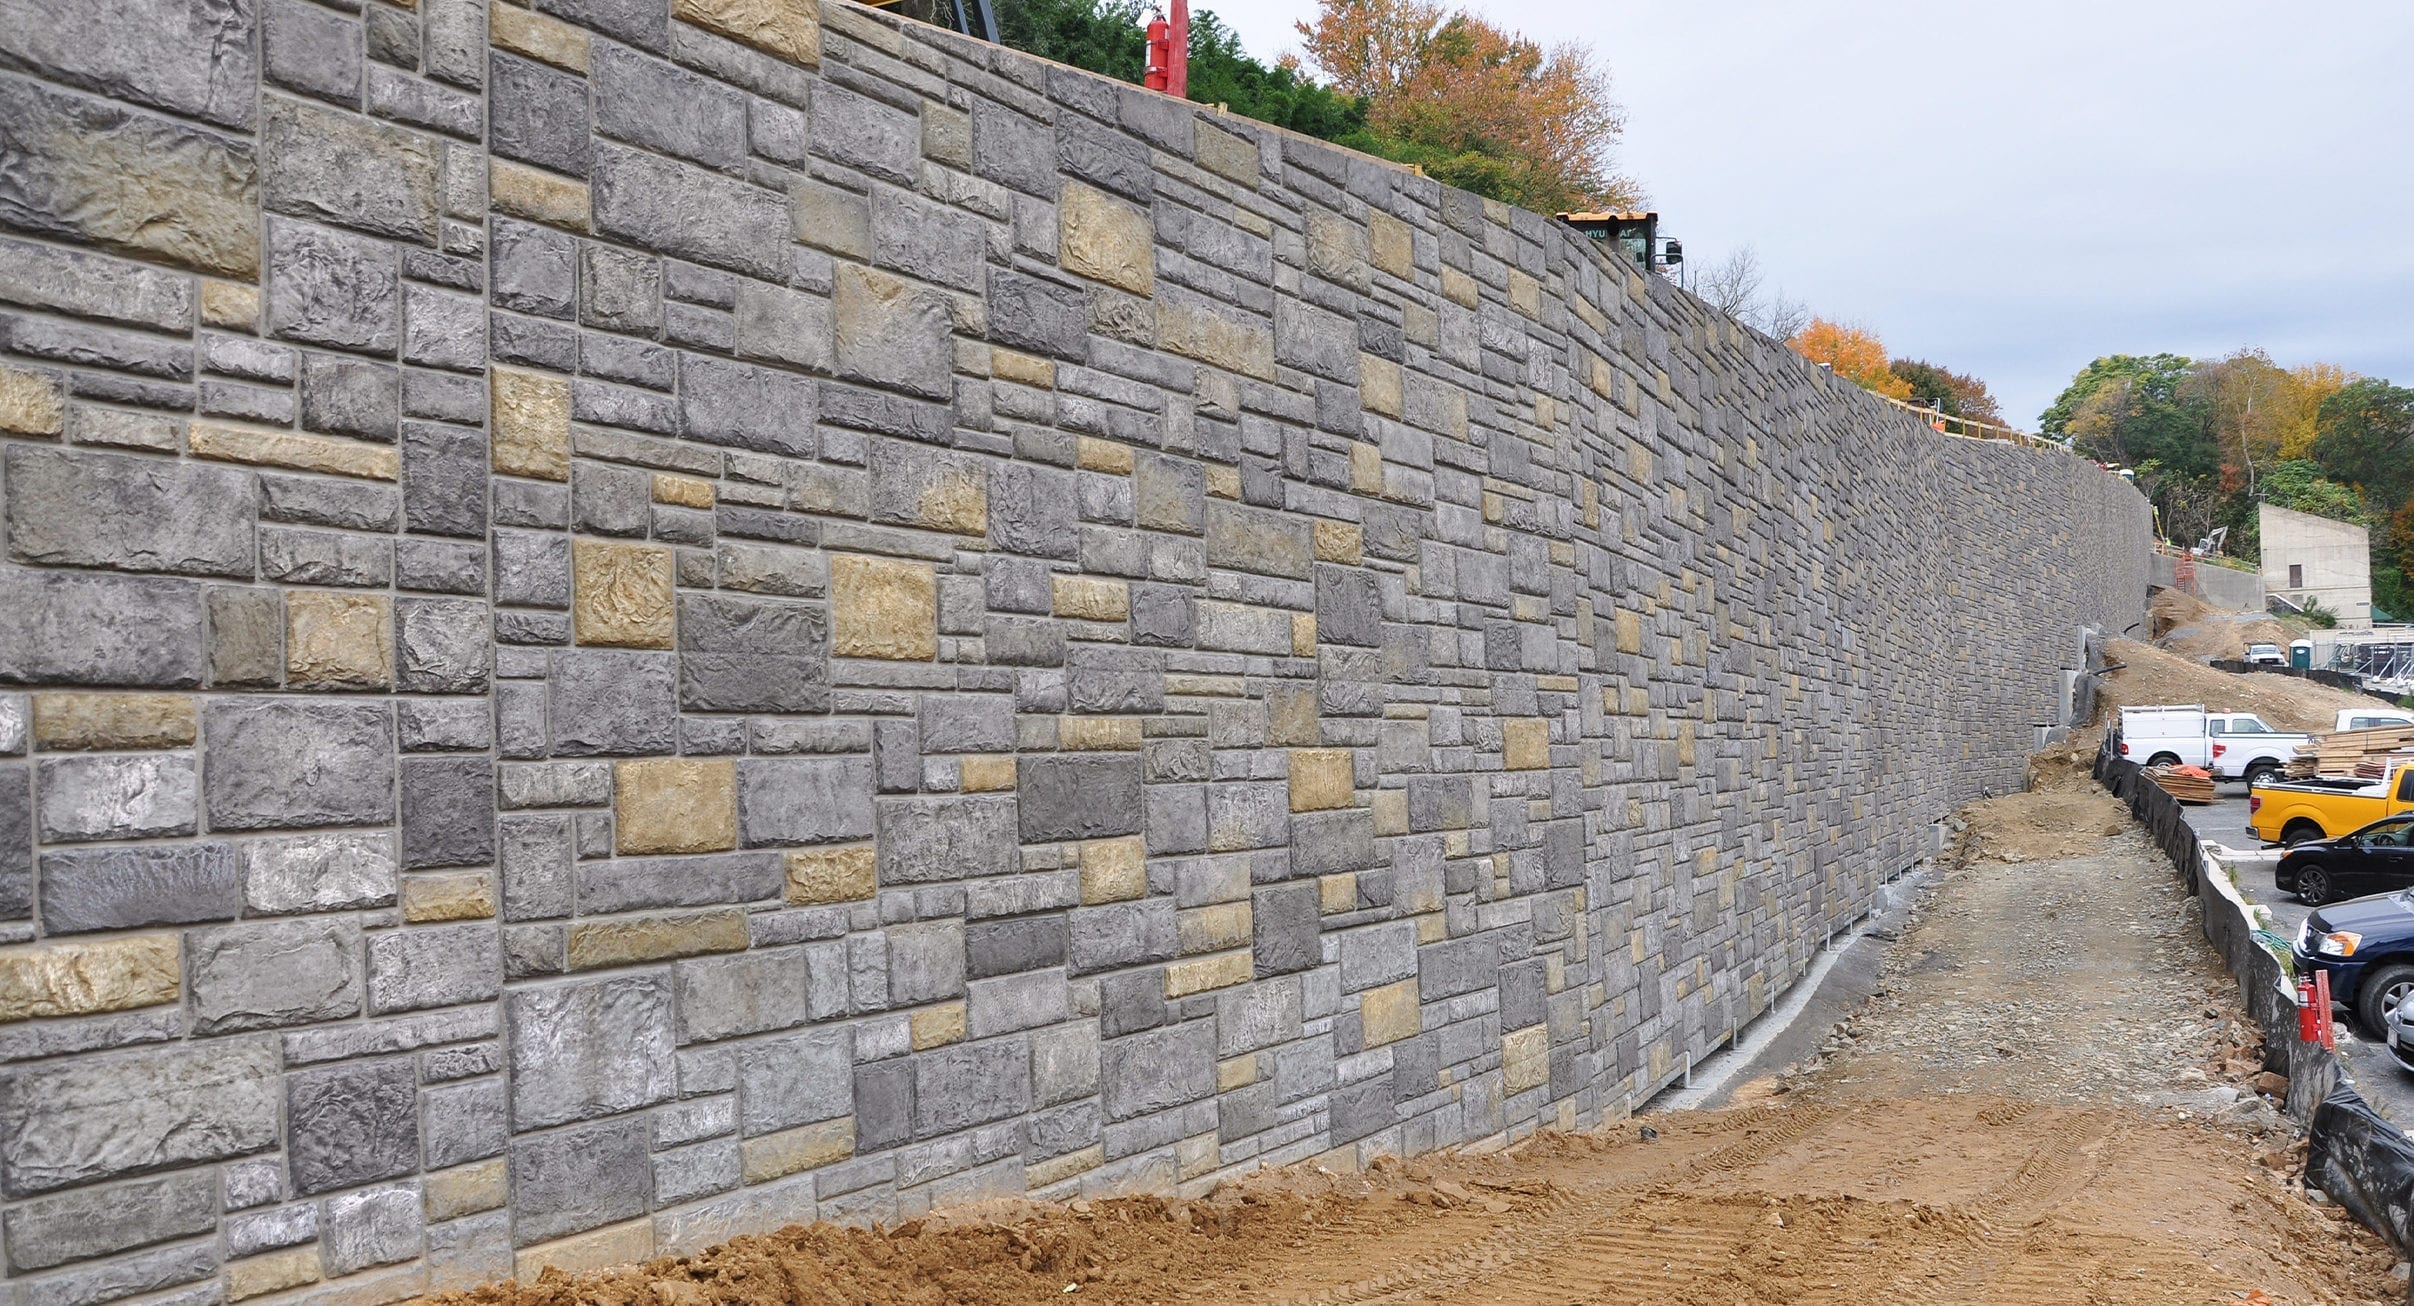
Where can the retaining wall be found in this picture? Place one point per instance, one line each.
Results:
(633, 624)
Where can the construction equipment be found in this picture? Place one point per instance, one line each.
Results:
(1168, 65)
(1635, 235)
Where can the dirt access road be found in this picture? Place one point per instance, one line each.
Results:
(2042, 1105)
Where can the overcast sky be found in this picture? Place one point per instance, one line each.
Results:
(2013, 189)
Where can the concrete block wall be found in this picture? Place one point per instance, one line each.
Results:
(633, 620)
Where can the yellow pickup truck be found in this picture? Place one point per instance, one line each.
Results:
(2321, 809)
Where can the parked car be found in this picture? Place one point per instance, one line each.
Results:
(2367, 718)
(2401, 1034)
(2367, 946)
(2375, 859)
(2231, 745)
(2265, 655)
(2299, 811)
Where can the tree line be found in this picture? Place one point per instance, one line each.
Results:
(1474, 105)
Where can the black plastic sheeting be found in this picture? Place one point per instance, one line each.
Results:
(2353, 1153)
(2347, 680)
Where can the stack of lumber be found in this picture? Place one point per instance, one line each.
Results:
(2377, 766)
(2188, 784)
(2342, 752)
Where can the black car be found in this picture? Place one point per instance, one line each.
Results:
(2375, 859)
(2367, 945)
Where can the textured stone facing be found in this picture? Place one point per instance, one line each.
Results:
(628, 626)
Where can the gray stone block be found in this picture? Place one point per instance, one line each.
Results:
(443, 479)
(687, 212)
(860, 132)
(1284, 921)
(293, 972)
(434, 966)
(699, 1170)
(120, 796)
(129, 886)
(379, 1226)
(124, 1113)
(537, 115)
(1380, 954)
(447, 811)
(463, 1123)
(83, 509)
(577, 1179)
(752, 655)
(534, 857)
(74, 629)
(971, 1084)
(662, 107)
(332, 288)
(612, 702)
(1079, 796)
(589, 1048)
(253, 1232)
(447, 725)
(246, 638)
(16, 842)
(795, 1079)
(925, 840)
(93, 1222)
(973, 723)
(351, 1124)
(1122, 934)
(621, 290)
(271, 763)
(748, 993)
(1014, 945)
(1033, 511)
(533, 270)
(532, 569)
(441, 646)
(325, 502)
(632, 883)
(1038, 316)
(884, 1105)
(925, 962)
(1162, 1068)
(800, 800)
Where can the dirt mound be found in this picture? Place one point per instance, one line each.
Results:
(2036, 826)
(2148, 675)
(2192, 628)
(2170, 610)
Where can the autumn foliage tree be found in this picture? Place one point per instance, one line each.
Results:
(1855, 354)
(1951, 392)
(1473, 104)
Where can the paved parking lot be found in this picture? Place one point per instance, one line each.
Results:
(2378, 1076)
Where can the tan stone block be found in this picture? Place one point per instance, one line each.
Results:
(1525, 294)
(1337, 892)
(1525, 1058)
(1459, 288)
(1238, 1072)
(623, 594)
(625, 942)
(230, 305)
(1194, 1156)
(1210, 337)
(1091, 598)
(1390, 1013)
(31, 403)
(790, 29)
(257, 1276)
(1202, 974)
(1390, 808)
(307, 453)
(1321, 779)
(524, 192)
(1432, 928)
(789, 1151)
(625, 1243)
(448, 896)
(1227, 154)
(69, 722)
(466, 1189)
(1366, 468)
(1024, 369)
(883, 608)
(548, 40)
(531, 424)
(1525, 744)
(1212, 928)
(338, 640)
(1113, 870)
(1392, 244)
(956, 499)
(938, 1026)
(824, 875)
(985, 774)
(1223, 482)
(82, 978)
(1630, 632)
(1379, 385)
(1098, 734)
(1055, 1170)
(1336, 249)
(1303, 634)
(1098, 455)
(1105, 239)
(684, 491)
(1340, 541)
(675, 805)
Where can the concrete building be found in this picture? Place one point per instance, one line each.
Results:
(2308, 557)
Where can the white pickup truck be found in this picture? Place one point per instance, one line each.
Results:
(2231, 745)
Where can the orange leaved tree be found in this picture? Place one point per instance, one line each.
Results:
(1475, 105)
(1854, 353)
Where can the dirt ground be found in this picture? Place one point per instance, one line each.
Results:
(2192, 628)
(2051, 1099)
(2149, 675)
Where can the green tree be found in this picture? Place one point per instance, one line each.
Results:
(2131, 410)
(1954, 394)
(2365, 437)
(1101, 36)
(2299, 484)
(1221, 72)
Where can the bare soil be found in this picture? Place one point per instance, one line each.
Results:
(2050, 1100)
(2192, 628)
(2149, 676)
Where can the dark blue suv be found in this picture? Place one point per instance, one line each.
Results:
(2367, 945)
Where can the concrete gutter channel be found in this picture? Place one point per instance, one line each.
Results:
(2353, 1153)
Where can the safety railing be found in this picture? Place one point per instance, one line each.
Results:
(1976, 430)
